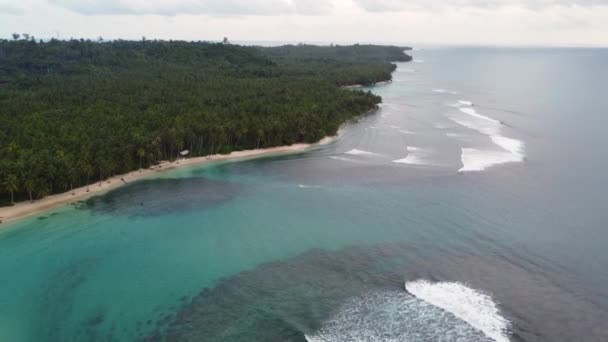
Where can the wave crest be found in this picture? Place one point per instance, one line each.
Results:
(394, 316)
(356, 152)
(473, 159)
(473, 307)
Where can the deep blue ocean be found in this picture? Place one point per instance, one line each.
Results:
(471, 206)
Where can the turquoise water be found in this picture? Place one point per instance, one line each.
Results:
(128, 265)
(319, 245)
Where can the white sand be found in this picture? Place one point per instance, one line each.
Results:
(26, 209)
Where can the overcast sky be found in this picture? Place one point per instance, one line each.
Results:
(469, 22)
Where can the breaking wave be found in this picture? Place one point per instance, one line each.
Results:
(303, 186)
(473, 307)
(394, 316)
(474, 159)
(455, 135)
(445, 91)
(416, 156)
(356, 152)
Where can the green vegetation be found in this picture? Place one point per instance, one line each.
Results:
(76, 112)
(343, 65)
(352, 53)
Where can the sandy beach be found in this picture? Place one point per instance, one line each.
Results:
(26, 209)
(356, 86)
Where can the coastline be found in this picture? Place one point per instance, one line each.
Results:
(26, 209)
(356, 86)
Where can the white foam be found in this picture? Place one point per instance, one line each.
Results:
(412, 160)
(395, 127)
(473, 307)
(416, 156)
(455, 135)
(302, 186)
(445, 91)
(466, 103)
(404, 131)
(473, 113)
(478, 160)
(393, 316)
(356, 152)
(474, 159)
(418, 60)
(514, 146)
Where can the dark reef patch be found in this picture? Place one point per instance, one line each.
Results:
(284, 300)
(163, 196)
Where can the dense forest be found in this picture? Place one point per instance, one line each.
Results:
(76, 112)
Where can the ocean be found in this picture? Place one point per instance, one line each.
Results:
(471, 206)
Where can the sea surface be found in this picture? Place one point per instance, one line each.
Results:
(472, 206)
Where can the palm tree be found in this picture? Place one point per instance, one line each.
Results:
(88, 170)
(72, 175)
(11, 184)
(141, 153)
(29, 187)
(110, 169)
(41, 188)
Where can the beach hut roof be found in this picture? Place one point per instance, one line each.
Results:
(184, 153)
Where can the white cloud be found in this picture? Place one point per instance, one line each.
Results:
(209, 7)
(491, 22)
(10, 7)
(412, 5)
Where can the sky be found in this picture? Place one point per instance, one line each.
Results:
(411, 22)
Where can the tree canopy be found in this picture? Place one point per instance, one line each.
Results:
(76, 112)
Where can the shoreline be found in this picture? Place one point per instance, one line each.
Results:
(355, 86)
(27, 209)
